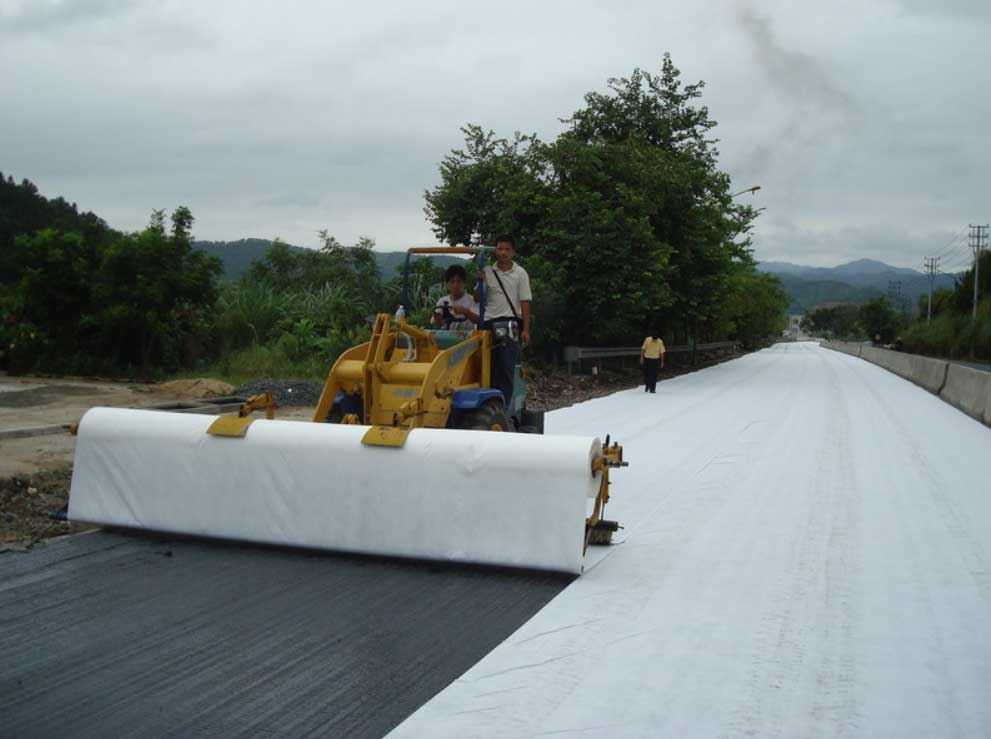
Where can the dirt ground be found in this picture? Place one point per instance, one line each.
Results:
(35, 470)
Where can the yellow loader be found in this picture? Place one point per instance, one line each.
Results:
(411, 453)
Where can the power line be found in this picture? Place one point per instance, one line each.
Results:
(959, 263)
(952, 241)
(957, 250)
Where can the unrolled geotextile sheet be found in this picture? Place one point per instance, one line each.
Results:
(472, 496)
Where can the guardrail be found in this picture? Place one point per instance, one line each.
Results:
(576, 354)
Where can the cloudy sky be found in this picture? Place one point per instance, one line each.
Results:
(865, 123)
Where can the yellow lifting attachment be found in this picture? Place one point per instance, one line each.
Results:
(238, 427)
(404, 379)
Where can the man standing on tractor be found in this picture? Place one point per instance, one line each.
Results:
(507, 313)
(457, 310)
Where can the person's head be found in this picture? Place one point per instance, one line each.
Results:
(455, 277)
(652, 333)
(505, 249)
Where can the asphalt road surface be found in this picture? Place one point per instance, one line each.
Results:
(110, 635)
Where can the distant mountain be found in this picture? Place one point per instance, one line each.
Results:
(237, 255)
(853, 282)
(805, 294)
(390, 263)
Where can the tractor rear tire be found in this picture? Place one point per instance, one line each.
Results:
(490, 416)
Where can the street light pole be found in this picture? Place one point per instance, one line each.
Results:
(752, 190)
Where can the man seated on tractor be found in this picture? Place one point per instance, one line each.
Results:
(457, 310)
(507, 313)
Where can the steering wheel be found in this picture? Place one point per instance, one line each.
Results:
(447, 315)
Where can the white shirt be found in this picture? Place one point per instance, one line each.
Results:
(465, 301)
(517, 284)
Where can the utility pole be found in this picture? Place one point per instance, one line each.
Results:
(895, 293)
(978, 237)
(932, 267)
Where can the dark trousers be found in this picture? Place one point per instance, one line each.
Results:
(650, 374)
(505, 354)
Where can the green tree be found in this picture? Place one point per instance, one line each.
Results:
(150, 294)
(964, 294)
(625, 213)
(754, 309)
(838, 321)
(879, 318)
(25, 212)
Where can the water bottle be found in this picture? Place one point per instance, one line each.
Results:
(400, 314)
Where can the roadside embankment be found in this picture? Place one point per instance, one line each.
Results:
(962, 387)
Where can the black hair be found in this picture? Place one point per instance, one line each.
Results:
(507, 239)
(455, 270)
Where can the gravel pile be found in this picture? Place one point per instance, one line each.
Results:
(285, 392)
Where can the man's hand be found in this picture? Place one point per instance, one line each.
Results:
(525, 338)
(480, 274)
(458, 310)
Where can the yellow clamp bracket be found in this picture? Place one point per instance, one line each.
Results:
(394, 436)
(230, 426)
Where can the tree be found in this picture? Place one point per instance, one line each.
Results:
(838, 321)
(131, 303)
(754, 308)
(25, 212)
(879, 318)
(149, 293)
(625, 213)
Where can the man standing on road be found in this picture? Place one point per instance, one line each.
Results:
(507, 313)
(651, 359)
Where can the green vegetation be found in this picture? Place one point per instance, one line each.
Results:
(875, 318)
(953, 331)
(623, 221)
(99, 301)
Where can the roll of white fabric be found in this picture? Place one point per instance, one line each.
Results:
(470, 496)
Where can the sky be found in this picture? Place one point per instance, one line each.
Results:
(864, 122)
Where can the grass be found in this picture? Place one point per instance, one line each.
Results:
(952, 336)
(256, 361)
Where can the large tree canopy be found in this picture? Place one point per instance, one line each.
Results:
(623, 220)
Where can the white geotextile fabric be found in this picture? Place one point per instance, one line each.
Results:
(806, 553)
(474, 496)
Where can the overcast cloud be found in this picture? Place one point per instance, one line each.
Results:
(864, 122)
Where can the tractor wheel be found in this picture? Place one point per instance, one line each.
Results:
(489, 417)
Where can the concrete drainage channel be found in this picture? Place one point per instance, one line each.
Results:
(963, 387)
(207, 406)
